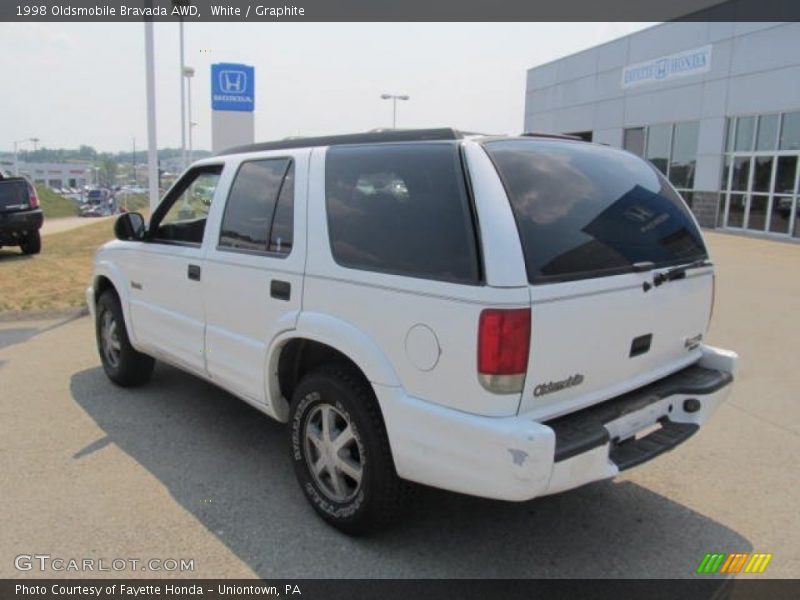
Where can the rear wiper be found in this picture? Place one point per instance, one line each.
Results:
(679, 272)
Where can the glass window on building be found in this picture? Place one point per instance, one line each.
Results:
(761, 171)
(730, 134)
(762, 175)
(670, 147)
(684, 155)
(736, 206)
(741, 173)
(745, 134)
(786, 175)
(790, 131)
(659, 138)
(767, 133)
(634, 140)
(757, 214)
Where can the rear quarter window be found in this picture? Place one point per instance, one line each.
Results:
(584, 210)
(401, 209)
(259, 212)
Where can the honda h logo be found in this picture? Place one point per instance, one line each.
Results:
(638, 213)
(233, 82)
(233, 87)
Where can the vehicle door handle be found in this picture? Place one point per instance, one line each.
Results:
(193, 272)
(282, 290)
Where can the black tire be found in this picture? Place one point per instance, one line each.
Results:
(124, 366)
(373, 502)
(31, 243)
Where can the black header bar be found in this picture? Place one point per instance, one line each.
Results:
(397, 10)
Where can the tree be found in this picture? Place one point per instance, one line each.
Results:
(108, 172)
(87, 152)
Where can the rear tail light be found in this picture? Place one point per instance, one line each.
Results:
(33, 199)
(504, 337)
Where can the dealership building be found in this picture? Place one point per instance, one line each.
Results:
(714, 106)
(53, 175)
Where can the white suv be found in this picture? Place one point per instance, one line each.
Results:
(506, 317)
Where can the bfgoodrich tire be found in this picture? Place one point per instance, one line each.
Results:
(341, 453)
(121, 362)
(32, 243)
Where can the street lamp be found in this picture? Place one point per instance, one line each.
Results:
(188, 72)
(394, 98)
(16, 145)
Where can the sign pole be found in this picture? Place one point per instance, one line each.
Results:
(152, 150)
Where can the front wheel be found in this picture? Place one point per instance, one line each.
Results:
(123, 364)
(341, 452)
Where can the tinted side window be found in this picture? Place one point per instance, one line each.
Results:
(282, 233)
(401, 209)
(250, 210)
(586, 211)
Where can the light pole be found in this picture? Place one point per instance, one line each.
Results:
(16, 147)
(188, 72)
(150, 85)
(394, 98)
(191, 125)
(180, 3)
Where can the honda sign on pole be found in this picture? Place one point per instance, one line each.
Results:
(232, 105)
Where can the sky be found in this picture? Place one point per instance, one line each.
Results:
(70, 84)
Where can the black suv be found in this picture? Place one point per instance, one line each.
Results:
(20, 215)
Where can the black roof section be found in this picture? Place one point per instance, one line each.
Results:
(369, 137)
(554, 136)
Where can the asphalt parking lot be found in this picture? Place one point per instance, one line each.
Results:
(179, 469)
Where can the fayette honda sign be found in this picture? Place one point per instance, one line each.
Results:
(681, 64)
(232, 87)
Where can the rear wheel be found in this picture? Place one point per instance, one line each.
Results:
(341, 452)
(123, 364)
(31, 243)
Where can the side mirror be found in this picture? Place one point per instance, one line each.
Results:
(130, 227)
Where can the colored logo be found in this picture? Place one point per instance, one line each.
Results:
(737, 562)
(232, 82)
(688, 62)
(232, 87)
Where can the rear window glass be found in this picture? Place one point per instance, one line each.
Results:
(401, 209)
(586, 211)
(13, 192)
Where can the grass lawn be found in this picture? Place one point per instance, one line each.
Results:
(58, 276)
(55, 205)
(135, 202)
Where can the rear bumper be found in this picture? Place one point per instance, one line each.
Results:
(14, 224)
(517, 458)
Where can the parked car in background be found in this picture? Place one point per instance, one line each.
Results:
(506, 317)
(21, 217)
(98, 203)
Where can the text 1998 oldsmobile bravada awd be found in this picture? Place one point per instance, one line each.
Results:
(506, 317)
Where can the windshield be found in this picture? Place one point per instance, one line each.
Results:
(585, 210)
